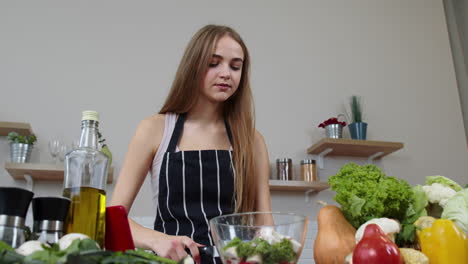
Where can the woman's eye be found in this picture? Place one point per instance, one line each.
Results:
(213, 64)
(235, 68)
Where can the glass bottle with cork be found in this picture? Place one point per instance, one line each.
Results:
(85, 182)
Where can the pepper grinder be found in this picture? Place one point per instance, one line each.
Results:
(14, 204)
(49, 218)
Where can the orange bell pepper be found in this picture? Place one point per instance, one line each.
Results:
(444, 243)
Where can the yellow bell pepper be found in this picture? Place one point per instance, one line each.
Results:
(444, 243)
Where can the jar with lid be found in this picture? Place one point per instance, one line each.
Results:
(308, 170)
(284, 169)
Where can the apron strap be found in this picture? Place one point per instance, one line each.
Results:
(228, 130)
(179, 127)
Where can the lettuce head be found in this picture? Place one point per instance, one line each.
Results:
(456, 210)
(365, 192)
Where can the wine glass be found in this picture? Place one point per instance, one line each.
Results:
(54, 148)
(62, 151)
(75, 144)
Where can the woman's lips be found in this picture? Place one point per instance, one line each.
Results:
(223, 87)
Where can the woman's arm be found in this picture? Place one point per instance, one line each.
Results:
(262, 172)
(141, 151)
(139, 157)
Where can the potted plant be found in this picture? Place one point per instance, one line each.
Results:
(21, 147)
(333, 127)
(358, 128)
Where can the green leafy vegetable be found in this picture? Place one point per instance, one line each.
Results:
(10, 257)
(365, 192)
(245, 250)
(143, 253)
(49, 255)
(233, 243)
(80, 252)
(5, 246)
(8, 254)
(416, 209)
(282, 252)
(456, 210)
(270, 253)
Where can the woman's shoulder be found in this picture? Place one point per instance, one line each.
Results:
(153, 122)
(258, 141)
(258, 137)
(152, 126)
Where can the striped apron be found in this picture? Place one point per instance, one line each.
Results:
(194, 186)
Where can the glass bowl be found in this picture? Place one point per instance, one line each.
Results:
(259, 237)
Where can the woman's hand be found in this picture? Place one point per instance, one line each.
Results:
(174, 247)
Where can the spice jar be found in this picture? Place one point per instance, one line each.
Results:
(308, 172)
(284, 169)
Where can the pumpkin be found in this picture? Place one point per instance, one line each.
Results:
(335, 238)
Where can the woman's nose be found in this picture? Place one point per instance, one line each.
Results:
(225, 73)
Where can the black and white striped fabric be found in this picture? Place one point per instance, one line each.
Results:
(194, 186)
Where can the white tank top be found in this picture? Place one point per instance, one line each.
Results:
(169, 124)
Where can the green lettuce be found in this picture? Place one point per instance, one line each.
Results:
(415, 210)
(365, 192)
(456, 210)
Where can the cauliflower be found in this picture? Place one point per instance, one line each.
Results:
(389, 226)
(438, 194)
(444, 181)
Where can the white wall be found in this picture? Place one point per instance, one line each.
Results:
(58, 58)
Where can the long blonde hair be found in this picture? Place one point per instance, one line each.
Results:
(238, 110)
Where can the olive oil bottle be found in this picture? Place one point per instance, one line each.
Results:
(85, 183)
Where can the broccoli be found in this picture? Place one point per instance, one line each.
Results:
(282, 252)
(233, 243)
(245, 250)
(279, 252)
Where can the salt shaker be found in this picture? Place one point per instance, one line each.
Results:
(284, 169)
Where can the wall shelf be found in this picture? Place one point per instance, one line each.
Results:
(299, 186)
(352, 147)
(41, 172)
(21, 128)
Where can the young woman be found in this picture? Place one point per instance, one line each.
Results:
(205, 157)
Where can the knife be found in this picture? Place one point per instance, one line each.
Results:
(210, 251)
(207, 251)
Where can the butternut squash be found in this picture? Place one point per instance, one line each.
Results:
(335, 236)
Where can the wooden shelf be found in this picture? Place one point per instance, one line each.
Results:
(42, 172)
(278, 185)
(354, 148)
(21, 128)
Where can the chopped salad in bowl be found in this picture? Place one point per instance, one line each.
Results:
(259, 238)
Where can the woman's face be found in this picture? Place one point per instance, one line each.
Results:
(224, 71)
